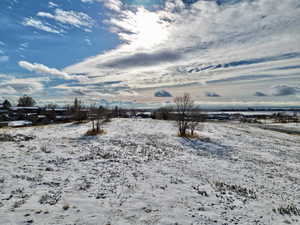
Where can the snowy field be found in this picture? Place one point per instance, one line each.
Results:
(141, 173)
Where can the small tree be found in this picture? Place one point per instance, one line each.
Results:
(6, 104)
(79, 112)
(26, 101)
(98, 118)
(184, 107)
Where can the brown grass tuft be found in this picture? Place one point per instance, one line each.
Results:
(188, 135)
(95, 132)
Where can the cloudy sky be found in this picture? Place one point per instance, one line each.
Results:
(145, 52)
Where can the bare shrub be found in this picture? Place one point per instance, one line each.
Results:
(187, 116)
(99, 116)
(184, 104)
(94, 132)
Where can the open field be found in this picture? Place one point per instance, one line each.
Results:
(139, 172)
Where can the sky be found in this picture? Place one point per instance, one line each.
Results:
(143, 53)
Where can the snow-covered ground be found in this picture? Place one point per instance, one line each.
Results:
(140, 172)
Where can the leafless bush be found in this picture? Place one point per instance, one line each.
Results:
(184, 104)
(187, 116)
(99, 116)
(94, 132)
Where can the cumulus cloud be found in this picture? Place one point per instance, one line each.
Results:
(73, 18)
(30, 22)
(211, 94)
(42, 69)
(284, 90)
(162, 93)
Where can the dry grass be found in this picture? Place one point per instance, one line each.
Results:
(189, 135)
(95, 132)
(66, 206)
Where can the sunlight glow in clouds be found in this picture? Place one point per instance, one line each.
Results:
(145, 29)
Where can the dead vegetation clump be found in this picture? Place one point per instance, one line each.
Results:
(241, 191)
(66, 206)
(51, 198)
(189, 135)
(15, 138)
(95, 132)
(99, 117)
(289, 209)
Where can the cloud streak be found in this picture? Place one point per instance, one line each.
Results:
(31, 22)
(76, 19)
(42, 69)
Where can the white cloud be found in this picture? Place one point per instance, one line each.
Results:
(88, 42)
(115, 5)
(15, 86)
(73, 18)
(42, 69)
(52, 5)
(30, 22)
(4, 76)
